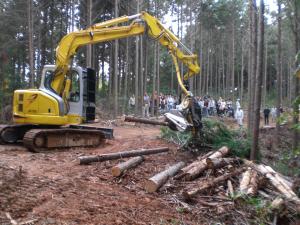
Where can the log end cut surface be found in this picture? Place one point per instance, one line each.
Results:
(150, 186)
(116, 171)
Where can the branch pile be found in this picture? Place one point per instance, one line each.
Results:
(237, 181)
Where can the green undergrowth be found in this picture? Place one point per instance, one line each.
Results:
(214, 134)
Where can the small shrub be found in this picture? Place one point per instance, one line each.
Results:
(217, 134)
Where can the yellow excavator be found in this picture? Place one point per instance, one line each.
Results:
(53, 115)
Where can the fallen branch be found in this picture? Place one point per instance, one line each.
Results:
(155, 182)
(121, 167)
(211, 183)
(119, 155)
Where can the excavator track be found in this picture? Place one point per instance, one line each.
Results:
(2, 127)
(11, 134)
(45, 140)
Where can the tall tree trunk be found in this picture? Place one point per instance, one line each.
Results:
(89, 23)
(242, 74)
(158, 77)
(296, 93)
(233, 61)
(179, 16)
(253, 13)
(154, 80)
(126, 71)
(279, 65)
(265, 76)
(110, 78)
(146, 66)
(223, 69)
(30, 43)
(141, 73)
(136, 88)
(172, 79)
(201, 59)
(258, 89)
(191, 80)
(116, 70)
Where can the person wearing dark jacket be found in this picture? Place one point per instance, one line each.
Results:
(266, 115)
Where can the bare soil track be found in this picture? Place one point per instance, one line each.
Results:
(54, 189)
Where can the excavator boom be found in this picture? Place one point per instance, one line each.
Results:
(66, 96)
(112, 30)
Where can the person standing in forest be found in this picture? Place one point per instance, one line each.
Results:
(266, 115)
(205, 107)
(211, 106)
(240, 117)
(273, 114)
(237, 104)
(146, 105)
(155, 98)
(132, 102)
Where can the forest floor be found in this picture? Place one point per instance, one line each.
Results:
(52, 188)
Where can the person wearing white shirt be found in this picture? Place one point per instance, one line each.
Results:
(211, 106)
(273, 114)
(240, 117)
(237, 104)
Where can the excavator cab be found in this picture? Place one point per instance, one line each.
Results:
(81, 100)
(45, 106)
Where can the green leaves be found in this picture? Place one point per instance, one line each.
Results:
(214, 134)
(218, 135)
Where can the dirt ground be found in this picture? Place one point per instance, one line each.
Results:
(52, 188)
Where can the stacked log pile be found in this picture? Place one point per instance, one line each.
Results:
(235, 179)
(217, 176)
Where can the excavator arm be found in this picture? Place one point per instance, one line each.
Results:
(41, 114)
(112, 30)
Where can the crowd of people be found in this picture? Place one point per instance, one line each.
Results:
(160, 103)
(209, 107)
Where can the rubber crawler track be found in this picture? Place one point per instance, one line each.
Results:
(62, 138)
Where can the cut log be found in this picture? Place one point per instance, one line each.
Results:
(253, 185)
(211, 183)
(245, 181)
(230, 188)
(155, 182)
(264, 194)
(199, 167)
(280, 177)
(121, 167)
(277, 204)
(216, 163)
(182, 172)
(144, 121)
(200, 158)
(278, 184)
(119, 155)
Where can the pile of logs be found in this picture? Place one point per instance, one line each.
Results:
(213, 174)
(237, 178)
(153, 183)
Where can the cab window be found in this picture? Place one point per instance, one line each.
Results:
(75, 87)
